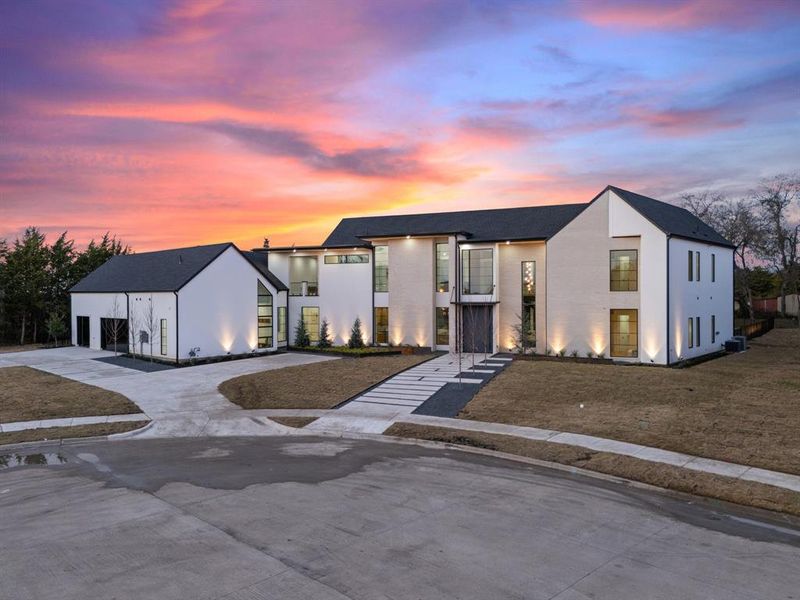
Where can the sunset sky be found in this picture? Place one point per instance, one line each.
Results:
(179, 123)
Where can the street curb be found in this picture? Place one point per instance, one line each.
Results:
(71, 440)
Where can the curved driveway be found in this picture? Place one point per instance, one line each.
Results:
(302, 518)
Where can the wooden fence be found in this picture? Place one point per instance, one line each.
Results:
(754, 327)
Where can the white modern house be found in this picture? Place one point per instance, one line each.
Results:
(623, 276)
(204, 301)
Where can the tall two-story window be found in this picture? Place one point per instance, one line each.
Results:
(625, 333)
(477, 271)
(310, 316)
(442, 267)
(529, 302)
(303, 276)
(381, 268)
(381, 324)
(624, 270)
(264, 317)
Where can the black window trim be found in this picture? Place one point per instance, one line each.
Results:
(611, 270)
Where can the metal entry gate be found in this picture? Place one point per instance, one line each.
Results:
(477, 325)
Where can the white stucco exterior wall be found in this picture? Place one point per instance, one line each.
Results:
(699, 298)
(509, 291)
(411, 291)
(95, 306)
(217, 310)
(163, 308)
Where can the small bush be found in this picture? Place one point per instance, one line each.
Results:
(574, 354)
(324, 335)
(301, 338)
(562, 353)
(589, 354)
(356, 339)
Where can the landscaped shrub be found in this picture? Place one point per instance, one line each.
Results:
(356, 339)
(324, 335)
(301, 339)
(574, 354)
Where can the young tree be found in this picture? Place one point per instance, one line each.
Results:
(114, 323)
(150, 325)
(56, 329)
(301, 338)
(324, 335)
(356, 338)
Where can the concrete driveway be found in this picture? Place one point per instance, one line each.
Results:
(323, 518)
(183, 401)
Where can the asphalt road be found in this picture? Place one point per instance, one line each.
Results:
(306, 518)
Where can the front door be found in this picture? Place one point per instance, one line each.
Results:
(478, 328)
(83, 331)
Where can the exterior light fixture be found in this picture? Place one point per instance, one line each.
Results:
(294, 249)
(508, 242)
(408, 237)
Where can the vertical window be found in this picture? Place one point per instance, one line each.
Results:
(529, 302)
(310, 315)
(713, 267)
(624, 271)
(303, 276)
(697, 331)
(697, 267)
(264, 317)
(713, 329)
(690, 333)
(281, 324)
(625, 333)
(442, 326)
(381, 268)
(163, 335)
(381, 325)
(477, 271)
(442, 267)
(691, 266)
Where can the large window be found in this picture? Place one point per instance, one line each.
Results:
(528, 303)
(264, 317)
(381, 325)
(348, 259)
(476, 271)
(303, 276)
(624, 271)
(163, 334)
(442, 326)
(625, 333)
(442, 267)
(381, 268)
(281, 324)
(310, 315)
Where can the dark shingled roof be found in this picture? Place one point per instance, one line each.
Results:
(499, 224)
(259, 260)
(162, 271)
(671, 219)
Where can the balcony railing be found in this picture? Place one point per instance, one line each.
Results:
(303, 288)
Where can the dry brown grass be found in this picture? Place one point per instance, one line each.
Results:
(742, 408)
(748, 493)
(20, 348)
(316, 385)
(77, 431)
(29, 394)
(298, 422)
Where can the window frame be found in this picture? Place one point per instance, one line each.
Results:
(635, 270)
(697, 267)
(441, 285)
(691, 265)
(269, 328)
(282, 324)
(713, 267)
(442, 314)
(697, 331)
(528, 333)
(713, 329)
(615, 348)
(466, 267)
(163, 330)
(312, 287)
(690, 332)
(381, 324)
(380, 271)
(346, 259)
(313, 333)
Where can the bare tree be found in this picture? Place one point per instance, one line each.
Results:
(704, 205)
(114, 323)
(134, 330)
(780, 247)
(150, 325)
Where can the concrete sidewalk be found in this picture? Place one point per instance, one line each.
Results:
(70, 422)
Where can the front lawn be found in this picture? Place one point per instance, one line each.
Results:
(742, 408)
(30, 395)
(316, 385)
(75, 431)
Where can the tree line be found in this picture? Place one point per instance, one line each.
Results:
(764, 224)
(34, 281)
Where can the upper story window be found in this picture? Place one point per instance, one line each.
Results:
(477, 271)
(624, 270)
(713, 267)
(691, 266)
(442, 267)
(381, 268)
(303, 276)
(697, 266)
(346, 259)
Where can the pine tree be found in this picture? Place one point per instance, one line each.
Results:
(324, 335)
(301, 339)
(356, 339)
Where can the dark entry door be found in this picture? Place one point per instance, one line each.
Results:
(83, 331)
(111, 328)
(477, 328)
